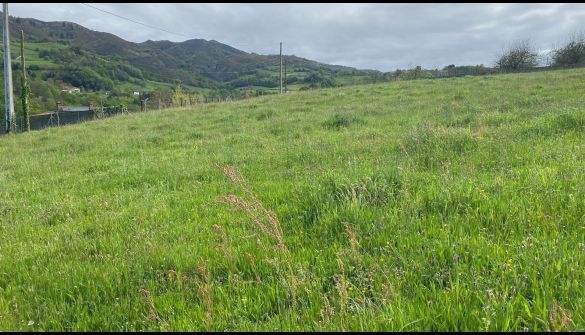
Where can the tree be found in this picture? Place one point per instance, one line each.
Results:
(161, 97)
(320, 80)
(572, 53)
(417, 72)
(179, 98)
(521, 55)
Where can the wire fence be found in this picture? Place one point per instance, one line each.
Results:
(59, 118)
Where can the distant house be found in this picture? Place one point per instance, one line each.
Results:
(61, 108)
(70, 89)
(76, 109)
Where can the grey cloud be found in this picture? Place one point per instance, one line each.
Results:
(373, 36)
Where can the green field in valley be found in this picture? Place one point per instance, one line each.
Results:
(451, 204)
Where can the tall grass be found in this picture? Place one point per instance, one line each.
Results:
(429, 205)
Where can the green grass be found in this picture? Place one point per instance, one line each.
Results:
(31, 53)
(455, 204)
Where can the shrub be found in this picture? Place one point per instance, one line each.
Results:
(572, 53)
(521, 55)
(339, 121)
(320, 80)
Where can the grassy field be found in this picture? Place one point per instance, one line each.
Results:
(454, 204)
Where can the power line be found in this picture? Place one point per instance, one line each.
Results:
(189, 37)
(134, 21)
(240, 44)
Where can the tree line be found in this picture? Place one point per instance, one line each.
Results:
(519, 56)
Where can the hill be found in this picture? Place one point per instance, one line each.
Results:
(439, 205)
(109, 69)
(194, 62)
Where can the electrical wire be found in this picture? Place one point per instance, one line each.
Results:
(134, 21)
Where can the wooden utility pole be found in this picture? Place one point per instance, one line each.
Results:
(280, 67)
(285, 90)
(25, 88)
(8, 96)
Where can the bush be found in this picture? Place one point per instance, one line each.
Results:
(86, 78)
(572, 53)
(339, 121)
(320, 80)
(519, 56)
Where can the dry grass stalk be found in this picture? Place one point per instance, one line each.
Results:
(205, 291)
(254, 208)
(327, 311)
(265, 220)
(351, 236)
(173, 274)
(341, 284)
(221, 246)
(152, 315)
(403, 148)
(220, 232)
(253, 266)
(559, 319)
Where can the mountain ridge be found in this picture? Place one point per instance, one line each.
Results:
(191, 61)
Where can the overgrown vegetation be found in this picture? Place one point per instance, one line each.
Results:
(86, 70)
(436, 205)
(319, 80)
(572, 53)
(519, 56)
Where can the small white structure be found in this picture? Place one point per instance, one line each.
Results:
(136, 94)
(70, 90)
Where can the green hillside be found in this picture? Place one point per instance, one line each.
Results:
(109, 69)
(50, 65)
(195, 62)
(440, 205)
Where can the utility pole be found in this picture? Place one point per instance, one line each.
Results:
(280, 67)
(8, 75)
(285, 90)
(25, 88)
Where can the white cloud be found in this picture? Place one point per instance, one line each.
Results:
(375, 36)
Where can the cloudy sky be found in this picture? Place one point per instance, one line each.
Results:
(367, 36)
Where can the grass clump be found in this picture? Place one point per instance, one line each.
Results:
(340, 121)
(572, 120)
(433, 146)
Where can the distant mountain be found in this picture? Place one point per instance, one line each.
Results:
(195, 62)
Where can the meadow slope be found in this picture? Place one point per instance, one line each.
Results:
(453, 204)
